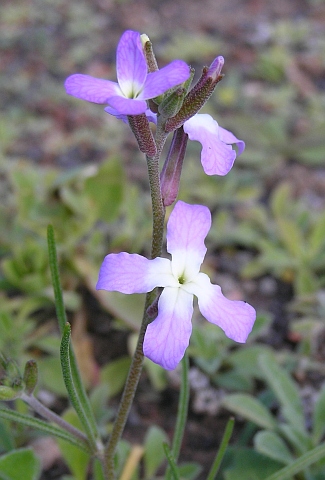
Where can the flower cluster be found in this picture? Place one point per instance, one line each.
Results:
(145, 94)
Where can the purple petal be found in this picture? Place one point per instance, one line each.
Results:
(167, 337)
(236, 318)
(131, 65)
(152, 117)
(216, 67)
(187, 227)
(217, 157)
(230, 139)
(90, 88)
(118, 115)
(167, 77)
(128, 106)
(132, 273)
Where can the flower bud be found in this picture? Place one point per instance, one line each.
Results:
(171, 172)
(199, 94)
(8, 393)
(30, 376)
(148, 53)
(171, 105)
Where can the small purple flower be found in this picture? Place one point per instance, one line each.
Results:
(217, 156)
(167, 337)
(135, 85)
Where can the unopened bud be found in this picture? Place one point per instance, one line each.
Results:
(172, 169)
(8, 393)
(198, 96)
(30, 376)
(148, 52)
(171, 105)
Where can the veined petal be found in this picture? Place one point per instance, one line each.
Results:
(167, 337)
(217, 157)
(131, 65)
(92, 89)
(128, 106)
(187, 227)
(236, 318)
(230, 139)
(132, 273)
(162, 80)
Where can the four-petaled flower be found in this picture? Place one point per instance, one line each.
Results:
(135, 85)
(167, 337)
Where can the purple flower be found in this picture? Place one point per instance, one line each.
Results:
(135, 85)
(167, 337)
(217, 156)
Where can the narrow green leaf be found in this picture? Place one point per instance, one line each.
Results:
(182, 411)
(174, 475)
(222, 449)
(284, 388)
(60, 310)
(69, 383)
(250, 408)
(59, 305)
(300, 464)
(20, 464)
(271, 445)
(319, 417)
(41, 425)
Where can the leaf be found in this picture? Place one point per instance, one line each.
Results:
(271, 445)
(250, 465)
(291, 237)
(154, 453)
(20, 464)
(245, 359)
(114, 375)
(288, 472)
(250, 408)
(106, 189)
(76, 459)
(317, 237)
(319, 417)
(189, 470)
(284, 389)
(281, 199)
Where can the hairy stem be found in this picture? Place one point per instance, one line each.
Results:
(158, 215)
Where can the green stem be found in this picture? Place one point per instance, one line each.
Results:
(45, 412)
(222, 449)
(158, 213)
(181, 414)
